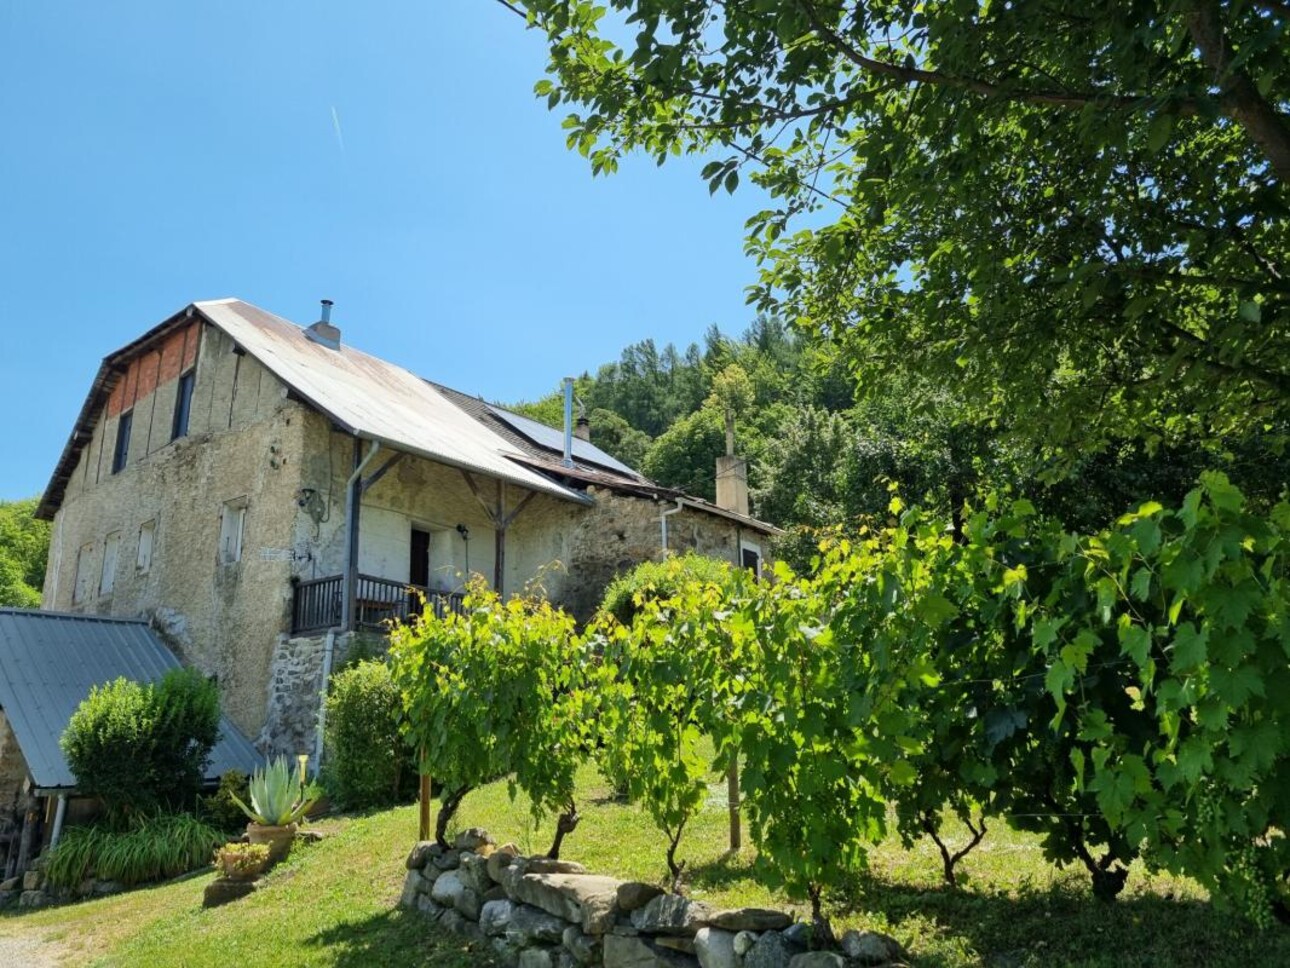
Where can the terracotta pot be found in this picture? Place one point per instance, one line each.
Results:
(277, 839)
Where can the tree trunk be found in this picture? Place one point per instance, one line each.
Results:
(567, 823)
(451, 801)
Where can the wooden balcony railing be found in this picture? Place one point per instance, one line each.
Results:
(318, 603)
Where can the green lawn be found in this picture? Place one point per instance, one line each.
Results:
(333, 903)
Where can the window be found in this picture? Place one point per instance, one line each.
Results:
(122, 451)
(750, 558)
(81, 589)
(230, 531)
(183, 405)
(147, 532)
(111, 547)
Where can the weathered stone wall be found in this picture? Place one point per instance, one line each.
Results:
(245, 440)
(532, 912)
(13, 767)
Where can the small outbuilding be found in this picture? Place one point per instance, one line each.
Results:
(48, 663)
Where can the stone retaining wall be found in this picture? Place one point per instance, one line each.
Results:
(532, 912)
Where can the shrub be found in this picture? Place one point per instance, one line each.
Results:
(241, 860)
(144, 747)
(150, 849)
(220, 809)
(653, 580)
(368, 764)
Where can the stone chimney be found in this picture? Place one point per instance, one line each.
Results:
(732, 474)
(582, 428)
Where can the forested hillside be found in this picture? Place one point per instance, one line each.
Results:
(24, 546)
(824, 451)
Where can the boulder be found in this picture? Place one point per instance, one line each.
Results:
(584, 949)
(750, 919)
(428, 908)
(623, 952)
(472, 839)
(474, 872)
(505, 951)
(744, 940)
(871, 948)
(447, 888)
(671, 914)
(715, 948)
(12, 884)
(494, 893)
(469, 904)
(9, 897)
(495, 917)
(536, 958)
(798, 935)
(769, 951)
(451, 920)
(422, 853)
(446, 861)
(818, 959)
(636, 894)
(565, 960)
(500, 859)
(33, 880)
(583, 899)
(104, 888)
(674, 942)
(545, 865)
(411, 888)
(531, 925)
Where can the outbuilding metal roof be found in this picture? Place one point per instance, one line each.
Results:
(49, 661)
(373, 399)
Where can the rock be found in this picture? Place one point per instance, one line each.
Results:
(500, 859)
(310, 836)
(12, 884)
(8, 898)
(222, 890)
(770, 951)
(505, 950)
(798, 935)
(671, 914)
(411, 888)
(428, 908)
(474, 872)
(451, 920)
(447, 888)
(33, 881)
(531, 925)
(751, 919)
(636, 894)
(583, 947)
(674, 943)
(472, 839)
(545, 865)
(743, 942)
(446, 861)
(509, 876)
(583, 899)
(495, 917)
(715, 948)
(623, 952)
(469, 904)
(818, 959)
(34, 899)
(104, 888)
(536, 958)
(494, 893)
(422, 853)
(565, 960)
(871, 948)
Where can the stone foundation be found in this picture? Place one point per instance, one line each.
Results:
(532, 912)
(295, 692)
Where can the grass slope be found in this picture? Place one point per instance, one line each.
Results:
(334, 903)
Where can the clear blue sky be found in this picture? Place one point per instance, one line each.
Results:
(153, 154)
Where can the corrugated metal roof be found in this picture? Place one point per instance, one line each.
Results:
(49, 661)
(551, 439)
(372, 398)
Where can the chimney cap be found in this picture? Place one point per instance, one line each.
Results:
(323, 332)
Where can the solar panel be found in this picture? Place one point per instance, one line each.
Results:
(553, 439)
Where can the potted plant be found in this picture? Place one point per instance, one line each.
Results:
(242, 862)
(278, 800)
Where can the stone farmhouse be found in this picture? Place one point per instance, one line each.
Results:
(262, 493)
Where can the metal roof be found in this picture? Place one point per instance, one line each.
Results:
(549, 438)
(373, 399)
(49, 661)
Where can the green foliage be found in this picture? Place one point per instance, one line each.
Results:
(501, 690)
(628, 594)
(1076, 217)
(368, 764)
(220, 809)
(241, 860)
(279, 795)
(142, 747)
(24, 548)
(151, 849)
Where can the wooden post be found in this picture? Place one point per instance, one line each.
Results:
(732, 791)
(423, 798)
(500, 525)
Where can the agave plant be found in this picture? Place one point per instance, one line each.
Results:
(278, 796)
